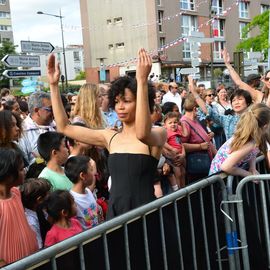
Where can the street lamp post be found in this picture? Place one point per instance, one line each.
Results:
(63, 43)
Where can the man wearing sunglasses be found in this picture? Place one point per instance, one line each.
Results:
(173, 96)
(39, 120)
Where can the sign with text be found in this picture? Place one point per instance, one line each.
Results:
(36, 47)
(21, 60)
(21, 73)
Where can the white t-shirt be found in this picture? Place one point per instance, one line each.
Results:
(87, 208)
(170, 97)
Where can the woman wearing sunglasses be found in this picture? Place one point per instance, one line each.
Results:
(257, 96)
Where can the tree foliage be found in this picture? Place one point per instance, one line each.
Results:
(6, 47)
(258, 43)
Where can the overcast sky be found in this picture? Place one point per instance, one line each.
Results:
(28, 25)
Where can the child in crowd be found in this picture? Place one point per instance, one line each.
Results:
(248, 140)
(17, 238)
(174, 134)
(34, 192)
(52, 148)
(79, 170)
(61, 209)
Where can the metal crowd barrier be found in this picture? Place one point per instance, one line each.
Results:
(190, 215)
(183, 230)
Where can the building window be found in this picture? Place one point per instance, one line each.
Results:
(5, 28)
(3, 2)
(162, 41)
(109, 21)
(5, 39)
(186, 51)
(76, 56)
(217, 6)
(160, 20)
(4, 14)
(241, 26)
(218, 28)
(244, 10)
(187, 4)
(120, 45)
(188, 23)
(118, 20)
(159, 2)
(110, 46)
(217, 49)
(264, 8)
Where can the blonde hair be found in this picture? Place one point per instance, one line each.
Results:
(251, 127)
(87, 108)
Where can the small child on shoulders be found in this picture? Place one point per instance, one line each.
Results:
(80, 172)
(61, 209)
(33, 192)
(52, 148)
(17, 238)
(174, 144)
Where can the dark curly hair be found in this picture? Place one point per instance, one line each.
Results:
(119, 85)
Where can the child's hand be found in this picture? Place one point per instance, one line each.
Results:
(166, 169)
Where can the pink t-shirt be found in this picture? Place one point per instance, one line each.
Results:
(57, 234)
(17, 239)
(174, 139)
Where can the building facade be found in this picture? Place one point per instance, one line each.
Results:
(6, 32)
(114, 30)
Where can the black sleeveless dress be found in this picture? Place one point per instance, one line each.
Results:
(132, 181)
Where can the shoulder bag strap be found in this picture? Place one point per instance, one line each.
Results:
(194, 130)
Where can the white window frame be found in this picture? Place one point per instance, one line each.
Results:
(120, 45)
(159, 3)
(264, 8)
(217, 6)
(187, 5)
(241, 26)
(220, 26)
(218, 46)
(188, 23)
(3, 2)
(162, 41)
(118, 20)
(160, 20)
(244, 10)
(4, 14)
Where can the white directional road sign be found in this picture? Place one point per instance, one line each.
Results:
(21, 73)
(200, 39)
(21, 60)
(36, 47)
(189, 70)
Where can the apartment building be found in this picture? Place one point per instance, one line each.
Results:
(6, 32)
(113, 30)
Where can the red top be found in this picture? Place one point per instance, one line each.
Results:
(174, 139)
(57, 234)
(17, 239)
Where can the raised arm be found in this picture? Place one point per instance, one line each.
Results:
(86, 135)
(199, 100)
(255, 94)
(144, 131)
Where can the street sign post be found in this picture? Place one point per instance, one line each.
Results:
(186, 71)
(36, 47)
(21, 73)
(21, 60)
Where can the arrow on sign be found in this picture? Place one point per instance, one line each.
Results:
(21, 60)
(36, 47)
(21, 73)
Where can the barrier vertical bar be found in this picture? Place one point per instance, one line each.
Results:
(256, 212)
(204, 231)
(106, 251)
(82, 261)
(192, 234)
(265, 220)
(53, 263)
(178, 233)
(163, 239)
(215, 226)
(127, 247)
(146, 248)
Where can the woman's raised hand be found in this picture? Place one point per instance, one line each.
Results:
(144, 65)
(226, 56)
(53, 70)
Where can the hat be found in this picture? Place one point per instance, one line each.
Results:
(252, 77)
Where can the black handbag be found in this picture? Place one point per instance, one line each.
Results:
(198, 162)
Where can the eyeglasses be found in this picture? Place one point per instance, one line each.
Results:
(210, 95)
(267, 79)
(48, 109)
